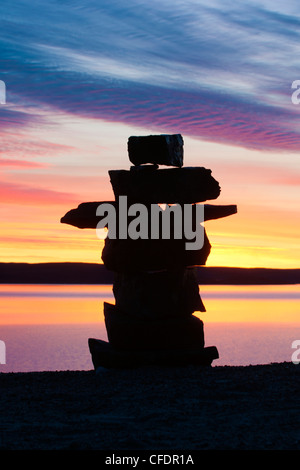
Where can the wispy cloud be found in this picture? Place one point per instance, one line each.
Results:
(220, 71)
(22, 145)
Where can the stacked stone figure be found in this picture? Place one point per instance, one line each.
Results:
(156, 287)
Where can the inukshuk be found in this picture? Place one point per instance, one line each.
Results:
(156, 286)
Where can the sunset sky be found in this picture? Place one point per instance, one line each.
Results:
(81, 77)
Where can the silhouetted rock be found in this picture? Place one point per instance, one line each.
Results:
(217, 212)
(84, 216)
(161, 149)
(155, 281)
(158, 295)
(129, 333)
(151, 167)
(151, 255)
(171, 185)
(104, 355)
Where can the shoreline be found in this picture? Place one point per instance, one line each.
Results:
(253, 407)
(92, 273)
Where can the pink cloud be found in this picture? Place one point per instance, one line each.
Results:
(21, 163)
(11, 193)
(287, 178)
(19, 144)
(259, 174)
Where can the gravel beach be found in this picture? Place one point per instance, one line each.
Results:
(180, 408)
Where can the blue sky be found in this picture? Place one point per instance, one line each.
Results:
(218, 70)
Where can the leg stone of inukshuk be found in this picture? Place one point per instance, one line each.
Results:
(154, 311)
(158, 295)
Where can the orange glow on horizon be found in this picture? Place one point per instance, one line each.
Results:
(69, 164)
(20, 305)
(250, 304)
(59, 304)
(246, 239)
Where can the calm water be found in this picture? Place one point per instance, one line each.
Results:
(46, 327)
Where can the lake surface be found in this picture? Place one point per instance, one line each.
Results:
(46, 327)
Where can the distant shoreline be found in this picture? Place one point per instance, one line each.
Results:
(92, 273)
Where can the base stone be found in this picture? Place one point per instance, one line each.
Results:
(104, 355)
